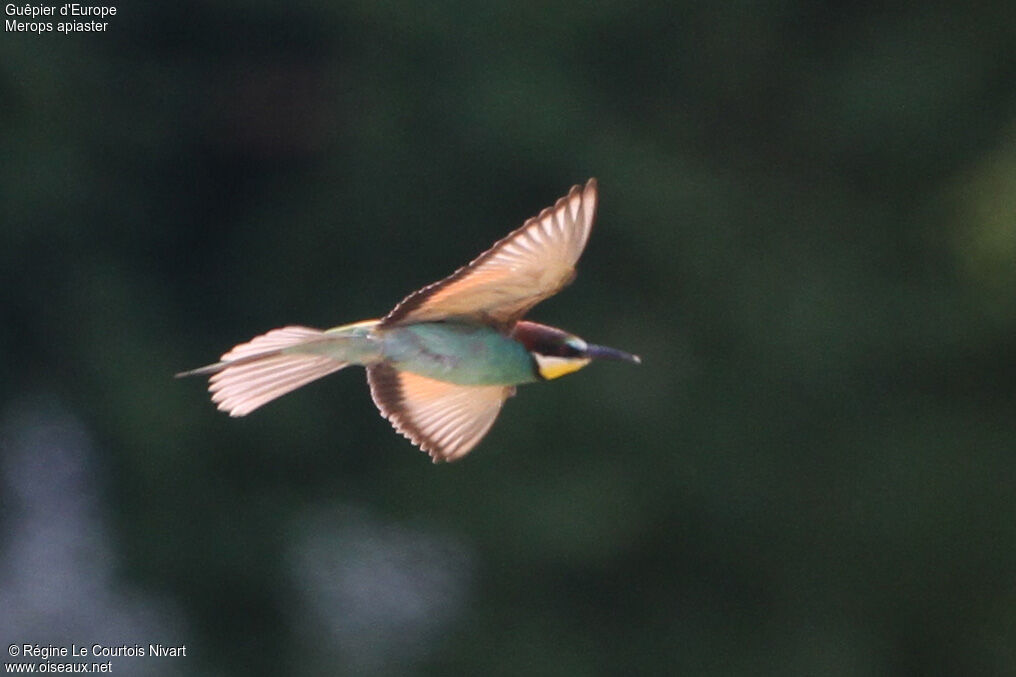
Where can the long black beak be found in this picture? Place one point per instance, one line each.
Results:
(604, 353)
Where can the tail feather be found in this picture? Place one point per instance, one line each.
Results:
(266, 367)
(276, 339)
(240, 392)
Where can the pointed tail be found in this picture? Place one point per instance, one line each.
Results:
(269, 366)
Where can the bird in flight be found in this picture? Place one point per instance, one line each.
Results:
(442, 363)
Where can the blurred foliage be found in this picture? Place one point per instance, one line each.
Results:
(807, 230)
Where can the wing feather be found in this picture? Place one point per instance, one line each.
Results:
(444, 419)
(531, 264)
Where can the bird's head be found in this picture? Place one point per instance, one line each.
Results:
(557, 352)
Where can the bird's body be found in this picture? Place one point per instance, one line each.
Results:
(465, 354)
(441, 364)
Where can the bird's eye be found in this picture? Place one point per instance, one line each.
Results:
(573, 348)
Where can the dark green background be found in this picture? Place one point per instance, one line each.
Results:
(807, 228)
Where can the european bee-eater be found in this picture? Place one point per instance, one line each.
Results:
(441, 364)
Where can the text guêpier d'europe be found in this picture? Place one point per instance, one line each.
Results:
(71, 17)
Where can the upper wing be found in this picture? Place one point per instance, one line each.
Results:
(444, 419)
(531, 264)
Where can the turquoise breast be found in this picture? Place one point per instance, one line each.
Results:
(458, 353)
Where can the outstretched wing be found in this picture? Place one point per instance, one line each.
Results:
(444, 419)
(529, 265)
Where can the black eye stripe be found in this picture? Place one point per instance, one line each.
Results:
(544, 340)
(568, 350)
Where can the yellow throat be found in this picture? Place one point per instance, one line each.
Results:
(555, 367)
